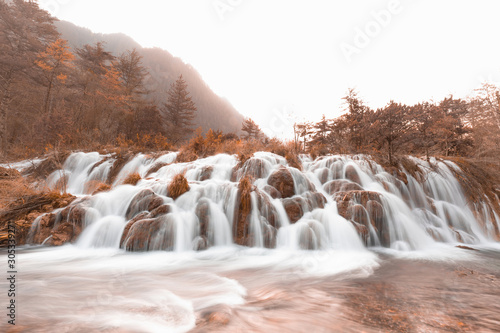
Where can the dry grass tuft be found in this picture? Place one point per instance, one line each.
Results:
(293, 160)
(178, 186)
(132, 179)
(101, 187)
(13, 186)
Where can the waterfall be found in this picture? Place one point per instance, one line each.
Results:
(334, 202)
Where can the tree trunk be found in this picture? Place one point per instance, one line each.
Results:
(47, 97)
(3, 113)
(389, 148)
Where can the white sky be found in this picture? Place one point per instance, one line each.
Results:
(276, 57)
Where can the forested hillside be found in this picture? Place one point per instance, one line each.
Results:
(213, 111)
(63, 86)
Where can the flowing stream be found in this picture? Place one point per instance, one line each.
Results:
(361, 231)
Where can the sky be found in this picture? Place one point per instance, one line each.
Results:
(281, 61)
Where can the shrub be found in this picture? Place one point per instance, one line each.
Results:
(178, 186)
(132, 179)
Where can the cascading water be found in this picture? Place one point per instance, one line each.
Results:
(256, 245)
(335, 202)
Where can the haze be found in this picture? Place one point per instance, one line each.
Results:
(273, 59)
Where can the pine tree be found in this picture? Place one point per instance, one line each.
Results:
(54, 62)
(251, 128)
(180, 111)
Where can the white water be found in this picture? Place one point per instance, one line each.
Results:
(170, 287)
(416, 215)
(73, 289)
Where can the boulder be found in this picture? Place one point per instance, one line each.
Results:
(282, 181)
(145, 200)
(364, 208)
(150, 234)
(293, 208)
(341, 185)
(253, 167)
(202, 212)
(362, 231)
(274, 193)
(358, 214)
(64, 233)
(241, 229)
(323, 175)
(138, 217)
(351, 174)
(160, 210)
(206, 173)
(74, 214)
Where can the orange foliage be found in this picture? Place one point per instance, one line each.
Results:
(178, 186)
(132, 179)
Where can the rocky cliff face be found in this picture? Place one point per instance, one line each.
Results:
(337, 202)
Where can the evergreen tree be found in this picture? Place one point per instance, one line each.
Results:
(251, 128)
(180, 111)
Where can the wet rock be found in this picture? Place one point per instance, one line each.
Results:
(282, 181)
(358, 214)
(352, 174)
(269, 233)
(274, 193)
(64, 233)
(293, 208)
(241, 229)
(266, 208)
(74, 214)
(310, 234)
(43, 230)
(361, 197)
(376, 214)
(397, 173)
(150, 235)
(202, 212)
(341, 185)
(138, 217)
(160, 210)
(354, 205)
(200, 243)
(254, 168)
(155, 167)
(121, 158)
(206, 173)
(145, 200)
(463, 247)
(323, 175)
(362, 231)
(314, 200)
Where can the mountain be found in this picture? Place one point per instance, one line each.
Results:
(213, 111)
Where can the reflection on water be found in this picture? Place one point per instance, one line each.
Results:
(255, 290)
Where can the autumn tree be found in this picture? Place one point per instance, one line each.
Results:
(25, 30)
(180, 111)
(251, 128)
(454, 137)
(424, 120)
(96, 97)
(304, 131)
(320, 131)
(54, 62)
(390, 126)
(355, 120)
(132, 73)
(484, 118)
